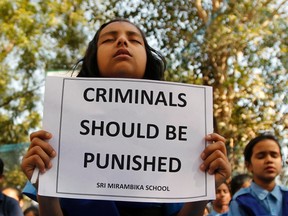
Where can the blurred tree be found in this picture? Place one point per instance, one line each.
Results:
(36, 36)
(238, 47)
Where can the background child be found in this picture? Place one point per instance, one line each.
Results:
(264, 197)
(8, 205)
(221, 203)
(240, 181)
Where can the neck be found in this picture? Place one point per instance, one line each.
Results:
(221, 209)
(268, 185)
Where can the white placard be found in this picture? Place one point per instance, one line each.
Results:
(126, 139)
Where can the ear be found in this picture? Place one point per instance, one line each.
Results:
(249, 166)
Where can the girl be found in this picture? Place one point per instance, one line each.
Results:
(119, 49)
(263, 197)
(221, 203)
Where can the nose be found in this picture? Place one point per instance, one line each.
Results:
(269, 159)
(122, 41)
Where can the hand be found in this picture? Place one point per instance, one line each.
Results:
(39, 153)
(215, 159)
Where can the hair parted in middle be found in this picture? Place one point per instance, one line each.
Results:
(155, 65)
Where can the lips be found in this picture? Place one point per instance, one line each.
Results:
(270, 168)
(122, 52)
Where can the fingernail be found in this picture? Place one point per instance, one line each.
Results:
(53, 154)
(203, 155)
(48, 135)
(202, 167)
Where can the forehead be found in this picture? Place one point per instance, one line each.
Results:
(266, 145)
(222, 187)
(120, 26)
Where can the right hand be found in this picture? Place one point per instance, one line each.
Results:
(39, 154)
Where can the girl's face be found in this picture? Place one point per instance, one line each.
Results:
(121, 51)
(266, 161)
(223, 196)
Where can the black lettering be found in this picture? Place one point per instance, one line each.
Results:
(149, 128)
(88, 158)
(161, 99)
(108, 129)
(171, 99)
(85, 94)
(146, 97)
(151, 163)
(161, 164)
(132, 129)
(135, 161)
(174, 164)
(116, 160)
(83, 125)
(170, 132)
(100, 93)
(123, 98)
(139, 131)
(181, 97)
(104, 166)
(182, 133)
(94, 128)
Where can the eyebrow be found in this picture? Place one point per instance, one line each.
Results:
(267, 152)
(114, 33)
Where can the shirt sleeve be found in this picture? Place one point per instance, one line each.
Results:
(235, 210)
(13, 208)
(30, 191)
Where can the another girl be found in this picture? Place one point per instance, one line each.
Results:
(264, 197)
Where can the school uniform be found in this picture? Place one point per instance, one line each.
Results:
(249, 201)
(79, 207)
(9, 206)
(214, 213)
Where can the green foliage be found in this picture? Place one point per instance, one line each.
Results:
(36, 36)
(238, 47)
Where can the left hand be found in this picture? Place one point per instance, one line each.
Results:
(215, 159)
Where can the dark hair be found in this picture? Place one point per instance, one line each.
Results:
(155, 65)
(237, 182)
(249, 147)
(33, 209)
(1, 167)
(228, 186)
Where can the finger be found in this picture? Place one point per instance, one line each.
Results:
(215, 137)
(211, 162)
(41, 134)
(45, 146)
(29, 164)
(38, 157)
(213, 147)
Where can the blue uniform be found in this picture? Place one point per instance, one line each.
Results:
(9, 206)
(271, 202)
(214, 213)
(79, 207)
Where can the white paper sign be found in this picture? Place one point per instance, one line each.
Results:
(126, 139)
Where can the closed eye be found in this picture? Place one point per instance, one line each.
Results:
(109, 40)
(136, 41)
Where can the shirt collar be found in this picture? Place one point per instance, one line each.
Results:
(262, 193)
